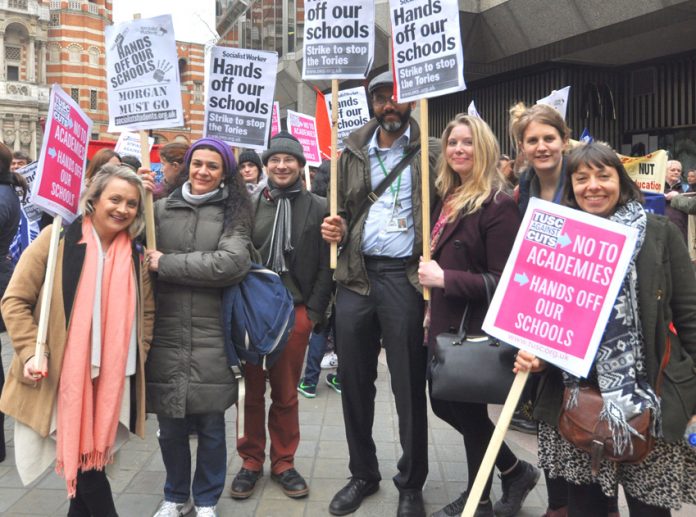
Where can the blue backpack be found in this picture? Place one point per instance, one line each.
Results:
(258, 315)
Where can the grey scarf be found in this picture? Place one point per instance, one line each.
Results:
(620, 362)
(282, 225)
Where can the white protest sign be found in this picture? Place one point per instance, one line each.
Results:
(560, 283)
(339, 39)
(239, 100)
(304, 128)
(129, 144)
(472, 111)
(427, 49)
(60, 171)
(353, 111)
(558, 100)
(142, 75)
(32, 211)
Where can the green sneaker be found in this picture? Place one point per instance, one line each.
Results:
(332, 380)
(308, 390)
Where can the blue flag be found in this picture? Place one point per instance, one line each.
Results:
(586, 136)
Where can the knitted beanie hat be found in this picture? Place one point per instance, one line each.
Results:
(250, 156)
(221, 148)
(284, 142)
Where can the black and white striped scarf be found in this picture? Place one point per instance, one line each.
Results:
(282, 224)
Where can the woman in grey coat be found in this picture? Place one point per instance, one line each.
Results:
(203, 231)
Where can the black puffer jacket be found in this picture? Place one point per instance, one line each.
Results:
(187, 369)
(9, 220)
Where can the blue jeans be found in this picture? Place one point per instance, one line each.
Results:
(211, 460)
(315, 353)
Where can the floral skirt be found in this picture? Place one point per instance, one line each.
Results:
(665, 478)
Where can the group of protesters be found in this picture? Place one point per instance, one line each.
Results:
(154, 341)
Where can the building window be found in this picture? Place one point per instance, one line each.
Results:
(74, 53)
(53, 53)
(13, 53)
(75, 94)
(94, 56)
(12, 73)
(182, 67)
(55, 20)
(93, 99)
(95, 136)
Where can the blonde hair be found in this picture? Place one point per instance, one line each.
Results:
(485, 178)
(521, 116)
(98, 184)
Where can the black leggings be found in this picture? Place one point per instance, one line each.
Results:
(584, 500)
(472, 421)
(93, 498)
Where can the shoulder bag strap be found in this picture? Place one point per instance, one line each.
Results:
(490, 284)
(373, 196)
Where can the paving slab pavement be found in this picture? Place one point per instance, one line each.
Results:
(322, 458)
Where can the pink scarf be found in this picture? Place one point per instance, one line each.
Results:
(88, 410)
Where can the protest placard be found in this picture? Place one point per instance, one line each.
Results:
(142, 75)
(29, 219)
(339, 39)
(275, 119)
(353, 111)
(304, 128)
(647, 171)
(560, 283)
(472, 111)
(558, 100)
(427, 50)
(128, 144)
(239, 101)
(32, 211)
(61, 166)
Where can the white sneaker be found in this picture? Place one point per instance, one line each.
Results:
(171, 509)
(330, 360)
(206, 511)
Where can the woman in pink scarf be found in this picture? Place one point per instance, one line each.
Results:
(71, 406)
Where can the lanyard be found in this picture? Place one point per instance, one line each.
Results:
(395, 195)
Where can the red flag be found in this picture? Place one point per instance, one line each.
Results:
(321, 114)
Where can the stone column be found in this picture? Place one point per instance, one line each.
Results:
(41, 72)
(32, 145)
(31, 61)
(2, 55)
(18, 135)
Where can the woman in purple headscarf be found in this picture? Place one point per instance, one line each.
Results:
(203, 230)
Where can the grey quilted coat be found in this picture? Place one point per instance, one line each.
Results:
(187, 369)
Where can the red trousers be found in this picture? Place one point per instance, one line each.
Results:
(283, 417)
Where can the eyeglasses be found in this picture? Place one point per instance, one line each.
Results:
(275, 160)
(382, 100)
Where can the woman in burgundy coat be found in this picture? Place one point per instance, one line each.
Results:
(474, 230)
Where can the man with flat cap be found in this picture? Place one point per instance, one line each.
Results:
(378, 302)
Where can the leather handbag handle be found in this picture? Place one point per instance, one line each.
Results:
(489, 284)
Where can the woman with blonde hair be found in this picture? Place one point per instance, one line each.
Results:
(76, 406)
(474, 230)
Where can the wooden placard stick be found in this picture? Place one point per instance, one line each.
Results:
(425, 186)
(333, 181)
(47, 290)
(149, 203)
(496, 441)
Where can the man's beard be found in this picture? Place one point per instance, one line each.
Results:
(396, 125)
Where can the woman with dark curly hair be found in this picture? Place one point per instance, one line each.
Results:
(203, 230)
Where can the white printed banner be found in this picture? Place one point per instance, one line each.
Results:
(239, 100)
(353, 111)
(142, 75)
(427, 48)
(339, 39)
(129, 144)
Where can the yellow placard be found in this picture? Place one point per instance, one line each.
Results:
(647, 171)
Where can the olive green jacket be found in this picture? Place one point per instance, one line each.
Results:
(666, 293)
(355, 183)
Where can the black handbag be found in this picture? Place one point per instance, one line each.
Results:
(467, 368)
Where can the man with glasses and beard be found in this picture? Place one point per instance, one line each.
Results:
(378, 300)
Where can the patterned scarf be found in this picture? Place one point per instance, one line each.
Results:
(282, 225)
(620, 362)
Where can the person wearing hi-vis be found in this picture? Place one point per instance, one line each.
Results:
(642, 367)
(377, 300)
(78, 404)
